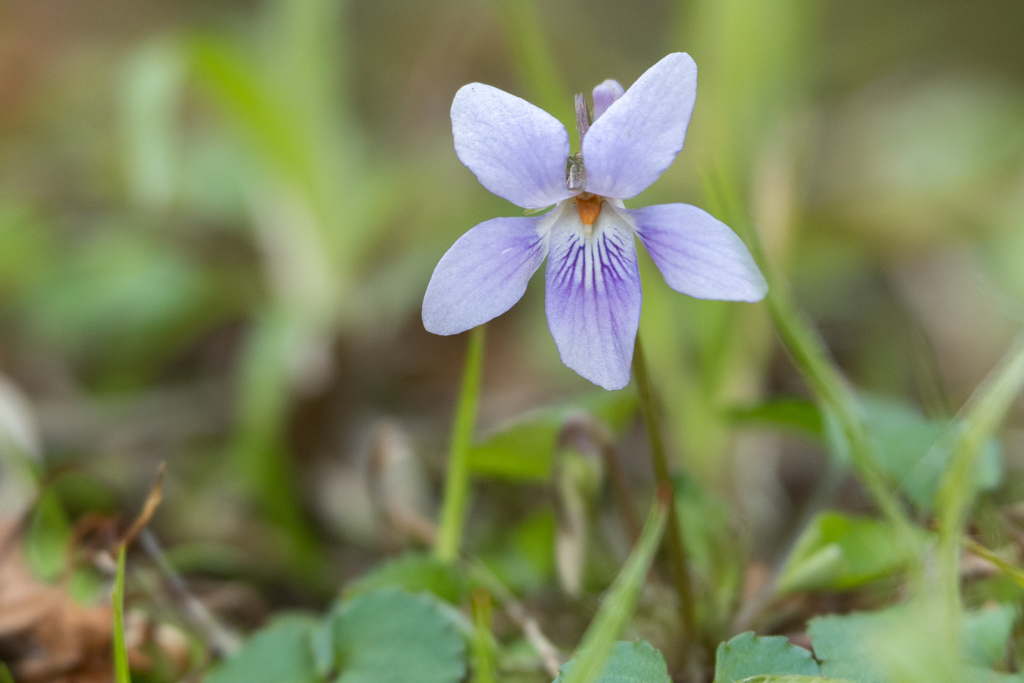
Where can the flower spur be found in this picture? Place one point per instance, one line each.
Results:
(521, 153)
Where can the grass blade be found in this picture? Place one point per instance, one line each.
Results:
(980, 418)
(617, 608)
(121, 672)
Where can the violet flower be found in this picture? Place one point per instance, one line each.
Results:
(521, 153)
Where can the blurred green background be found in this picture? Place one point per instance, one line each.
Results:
(218, 218)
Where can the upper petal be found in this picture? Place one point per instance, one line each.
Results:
(593, 296)
(516, 150)
(698, 254)
(484, 273)
(605, 95)
(640, 134)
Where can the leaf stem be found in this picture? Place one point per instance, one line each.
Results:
(674, 541)
(456, 490)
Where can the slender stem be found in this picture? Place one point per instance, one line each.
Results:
(674, 542)
(456, 490)
(978, 421)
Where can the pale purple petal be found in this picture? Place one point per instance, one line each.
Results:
(593, 296)
(641, 133)
(698, 254)
(606, 94)
(484, 273)
(516, 150)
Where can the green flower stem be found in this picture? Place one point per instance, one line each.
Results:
(978, 422)
(674, 541)
(456, 490)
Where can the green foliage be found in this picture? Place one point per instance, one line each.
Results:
(885, 646)
(279, 653)
(389, 636)
(748, 655)
(791, 679)
(987, 633)
(46, 542)
(627, 663)
(913, 450)
(846, 645)
(524, 557)
(792, 414)
(525, 449)
(839, 552)
(382, 636)
(414, 573)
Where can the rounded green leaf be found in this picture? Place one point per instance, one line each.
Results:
(628, 663)
(747, 655)
(390, 636)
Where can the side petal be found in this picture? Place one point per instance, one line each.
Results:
(484, 273)
(593, 296)
(698, 254)
(516, 150)
(640, 134)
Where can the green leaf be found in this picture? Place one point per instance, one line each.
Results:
(521, 451)
(912, 450)
(845, 645)
(885, 646)
(628, 662)
(389, 636)
(121, 672)
(794, 414)
(987, 633)
(792, 679)
(46, 543)
(838, 552)
(414, 573)
(748, 655)
(524, 450)
(280, 653)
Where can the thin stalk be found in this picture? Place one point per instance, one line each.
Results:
(619, 605)
(456, 490)
(122, 674)
(977, 422)
(674, 542)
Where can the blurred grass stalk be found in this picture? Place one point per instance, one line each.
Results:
(456, 489)
(812, 359)
(980, 418)
(617, 608)
(753, 58)
(311, 198)
(121, 671)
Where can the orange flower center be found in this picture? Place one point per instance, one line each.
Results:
(589, 206)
